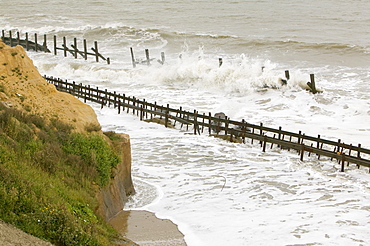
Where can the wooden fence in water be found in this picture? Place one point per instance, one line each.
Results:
(34, 45)
(241, 130)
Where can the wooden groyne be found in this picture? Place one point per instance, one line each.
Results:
(26, 42)
(199, 123)
(84, 52)
(34, 45)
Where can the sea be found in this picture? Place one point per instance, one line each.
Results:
(221, 193)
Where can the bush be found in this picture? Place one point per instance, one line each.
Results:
(95, 152)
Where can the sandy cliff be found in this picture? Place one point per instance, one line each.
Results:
(22, 87)
(114, 195)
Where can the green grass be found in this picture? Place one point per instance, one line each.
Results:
(47, 177)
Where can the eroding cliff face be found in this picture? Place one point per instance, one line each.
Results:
(22, 87)
(113, 197)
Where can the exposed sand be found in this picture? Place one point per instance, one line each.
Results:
(145, 229)
(10, 236)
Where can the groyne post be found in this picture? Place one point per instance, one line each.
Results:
(132, 58)
(27, 44)
(36, 48)
(287, 75)
(219, 62)
(44, 45)
(162, 58)
(11, 38)
(147, 57)
(85, 49)
(55, 45)
(96, 51)
(18, 39)
(65, 46)
(312, 84)
(75, 47)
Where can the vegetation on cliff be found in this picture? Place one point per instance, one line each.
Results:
(49, 175)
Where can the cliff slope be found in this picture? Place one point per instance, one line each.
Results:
(23, 89)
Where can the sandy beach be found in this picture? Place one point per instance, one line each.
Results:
(144, 228)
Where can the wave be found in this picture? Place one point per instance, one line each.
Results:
(162, 37)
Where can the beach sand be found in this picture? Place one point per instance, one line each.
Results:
(144, 228)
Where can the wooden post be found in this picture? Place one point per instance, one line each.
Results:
(195, 123)
(299, 137)
(261, 125)
(141, 112)
(209, 123)
(264, 143)
(244, 129)
(162, 58)
(55, 45)
(279, 135)
(75, 47)
(147, 57)
(349, 153)
(65, 46)
(226, 125)
(166, 116)
(11, 38)
(36, 42)
(132, 58)
(134, 104)
(2, 34)
(358, 151)
(343, 160)
(302, 152)
(119, 105)
(312, 84)
(44, 45)
(96, 51)
(338, 146)
(187, 118)
(219, 62)
(18, 39)
(287, 75)
(27, 43)
(252, 133)
(204, 115)
(310, 150)
(85, 49)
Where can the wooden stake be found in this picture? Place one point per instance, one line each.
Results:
(36, 42)
(132, 58)
(287, 76)
(147, 57)
(312, 84)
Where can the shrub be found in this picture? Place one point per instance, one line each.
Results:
(94, 151)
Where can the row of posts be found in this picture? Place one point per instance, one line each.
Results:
(28, 43)
(35, 46)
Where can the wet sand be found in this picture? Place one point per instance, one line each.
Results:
(144, 228)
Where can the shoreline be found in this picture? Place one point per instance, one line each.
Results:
(144, 228)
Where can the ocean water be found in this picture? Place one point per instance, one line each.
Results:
(221, 193)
